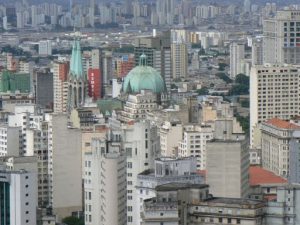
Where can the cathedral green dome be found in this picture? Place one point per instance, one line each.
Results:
(143, 77)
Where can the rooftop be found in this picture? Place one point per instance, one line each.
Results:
(260, 176)
(179, 186)
(233, 201)
(282, 124)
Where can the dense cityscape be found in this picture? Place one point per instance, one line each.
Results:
(160, 112)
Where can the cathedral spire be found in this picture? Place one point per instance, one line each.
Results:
(76, 68)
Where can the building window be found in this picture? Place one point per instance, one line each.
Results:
(229, 220)
(220, 220)
(90, 195)
(238, 221)
(129, 219)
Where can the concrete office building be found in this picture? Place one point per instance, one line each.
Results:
(23, 119)
(65, 181)
(294, 158)
(274, 93)
(227, 168)
(37, 145)
(10, 140)
(281, 42)
(179, 60)
(285, 210)
(45, 47)
(276, 135)
(237, 54)
(169, 206)
(194, 143)
(141, 143)
(170, 134)
(257, 52)
(105, 194)
(18, 191)
(166, 170)
(44, 89)
(60, 70)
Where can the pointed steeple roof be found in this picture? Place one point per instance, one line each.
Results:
(76, 68)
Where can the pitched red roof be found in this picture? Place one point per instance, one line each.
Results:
(259, 176)
(282, 124)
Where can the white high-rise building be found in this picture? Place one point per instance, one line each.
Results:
(18, 199)
(237, 54)
(194, 143)
(105, 184)
(10, 139)
(141, 143)
(64, 166)
(257, 52)
(34, 16)
(247, 5)
(281, 42)
(5, 23)
(170, 134)
(20, 20)
(274, 93)
(45, 47)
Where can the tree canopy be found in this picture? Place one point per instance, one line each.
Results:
(224, 77)
(241, 86)
(71, 220)
(202, 91)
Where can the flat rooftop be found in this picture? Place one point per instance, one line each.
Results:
(179, 186)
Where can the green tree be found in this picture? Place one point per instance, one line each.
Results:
(241, 86)
(203, 91)
(239, 89)
(244, 122)
(224, 77)
(196, 45)
(71, 220)
(242, 79)
(245, 103)
(173, 86)
(222, 66)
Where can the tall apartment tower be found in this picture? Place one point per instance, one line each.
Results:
(257, 52)
(247, 5)
(105, 194)
(18, 197)
(64, 166)
(60, 70)
(158, 52)
(140, 141)
(274, 93)
(179, 59)
(237, 54)
(281, 43)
